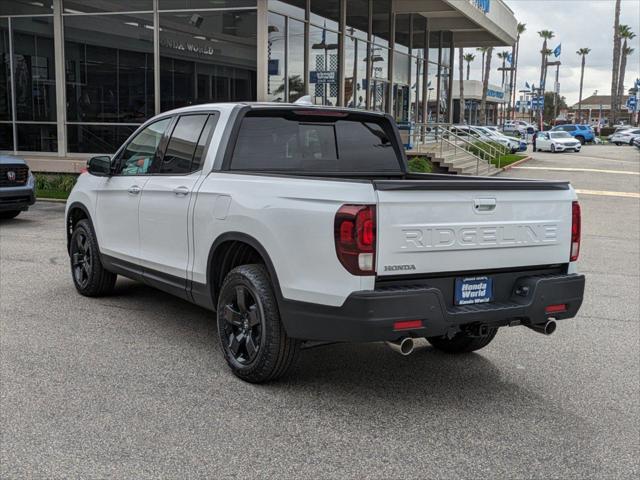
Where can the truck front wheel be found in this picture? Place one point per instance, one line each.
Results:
(253, 339)
(462, 342)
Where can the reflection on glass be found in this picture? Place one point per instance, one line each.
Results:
(25, 7)
(290, 8)
(37, 137)
(276, 58)
(188, 4)
(415, 107)
(5, 74)
(380, 22)
(357, 18)
(403, 32)
(6, 136)
(355, 72)
(91, 6)
(401, 68)
(34, 68)
(432, 94)
(109, 68)
(419, 34)
(97, 138)
(325, 13)
(323, 66)
(295, 62)
(207, 57)
(443, 104)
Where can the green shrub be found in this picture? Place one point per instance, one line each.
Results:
(487, 150)
(420, 165)
(54, 185)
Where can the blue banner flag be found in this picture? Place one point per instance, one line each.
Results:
(509, 57)
(557, 51)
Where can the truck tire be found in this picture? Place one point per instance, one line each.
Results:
(252, 336)
(9, 214)
(89, 276)
(462, 342)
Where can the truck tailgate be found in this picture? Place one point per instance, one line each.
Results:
(471, 225)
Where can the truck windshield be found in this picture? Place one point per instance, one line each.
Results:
(320, 141)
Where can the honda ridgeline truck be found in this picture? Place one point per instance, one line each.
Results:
(299, 225)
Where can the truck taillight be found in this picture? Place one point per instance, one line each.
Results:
(575, 232)
(355, 237)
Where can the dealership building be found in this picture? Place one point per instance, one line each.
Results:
(78, 77)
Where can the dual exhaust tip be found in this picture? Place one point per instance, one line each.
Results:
(405, 346)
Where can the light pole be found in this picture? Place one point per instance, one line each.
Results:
(556, 88)
(323, 45)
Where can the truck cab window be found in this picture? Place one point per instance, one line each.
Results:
(140, 154)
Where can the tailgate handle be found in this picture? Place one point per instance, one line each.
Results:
(484, 204)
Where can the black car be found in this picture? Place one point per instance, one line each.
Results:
(17, 187)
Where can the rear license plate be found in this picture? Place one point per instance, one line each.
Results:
(472, 290)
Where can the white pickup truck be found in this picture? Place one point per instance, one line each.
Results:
(301, 225)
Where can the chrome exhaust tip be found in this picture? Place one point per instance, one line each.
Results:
(404, 346)
(544, 328)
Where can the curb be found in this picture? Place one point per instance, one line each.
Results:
(51, 200)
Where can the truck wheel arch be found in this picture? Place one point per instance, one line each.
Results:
(76, 212)
(232, 249)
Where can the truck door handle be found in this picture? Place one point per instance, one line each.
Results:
(181, 191)
(134, 189)
(484, 204)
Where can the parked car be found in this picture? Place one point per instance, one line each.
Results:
(17, 187)
(555, 141)
(636, 142)
(297, 223)
(625, 136)
(520, 127)
(618, 129)
(583, 133)
(494, 136)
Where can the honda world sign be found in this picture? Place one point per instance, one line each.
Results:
(483, 5)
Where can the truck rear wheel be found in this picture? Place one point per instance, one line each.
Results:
(462, 342)
(254, 342)
(9, 214)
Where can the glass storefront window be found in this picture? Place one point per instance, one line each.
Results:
(379, 62)
(295, 61)
(403, 32)
(97, 138)
(6, 136)
(443, 105)
(37, 137)
(207, 56)
(380, 28)
(25, 7)
(109, 68)
(325, 13)
(401, 68)
(290, 8)
(5, 72)
(432, 94)
(357, 18)
(112, 6)
(434, 46)
(355, 72)
(415, 106)
(323, 66)
(276, 58)
(34, 68)
(419, 34)
(195, 4)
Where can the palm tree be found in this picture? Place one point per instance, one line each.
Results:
(469, 57)
(485, 85)
(583, 52)
(504, 55)
(522, 27)
(625, 34)
(482, 50)
(615, 69)
(546, 35)
(461, 82)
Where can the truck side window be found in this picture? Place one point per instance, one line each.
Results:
(179, 156)
(140, 154)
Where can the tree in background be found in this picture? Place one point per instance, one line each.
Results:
(461, 83)
(469, 57)
(485, 85)
(482, 50)
(522, 27)
(546, 35)
(615, 68)
(625, 34)
(550, 105)
(583, 52)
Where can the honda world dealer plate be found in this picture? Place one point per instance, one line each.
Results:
(473, 290)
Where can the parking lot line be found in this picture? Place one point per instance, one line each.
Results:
(566, 169)
(607, 193)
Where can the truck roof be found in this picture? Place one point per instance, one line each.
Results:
(228, 106)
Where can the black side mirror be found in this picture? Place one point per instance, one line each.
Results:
(99, 166)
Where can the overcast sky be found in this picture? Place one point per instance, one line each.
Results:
(576, 24)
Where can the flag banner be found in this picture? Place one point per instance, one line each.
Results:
(557, 51)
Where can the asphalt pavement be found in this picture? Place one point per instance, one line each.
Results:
(135, 386)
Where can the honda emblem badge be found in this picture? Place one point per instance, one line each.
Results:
(11, 176)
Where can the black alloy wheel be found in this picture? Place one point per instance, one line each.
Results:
(81, 259)
(243, 325)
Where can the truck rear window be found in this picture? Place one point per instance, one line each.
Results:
(308, 142)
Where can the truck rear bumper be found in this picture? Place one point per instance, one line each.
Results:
(370, 315)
